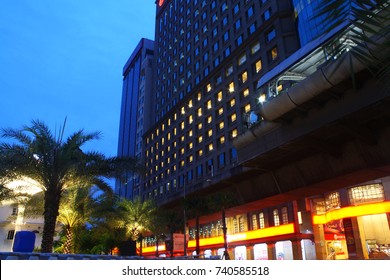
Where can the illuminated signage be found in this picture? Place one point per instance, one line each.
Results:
(160, 3)
(352, 211)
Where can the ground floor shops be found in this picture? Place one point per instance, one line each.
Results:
(348, 223)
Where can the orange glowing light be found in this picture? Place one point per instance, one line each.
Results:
(352, 211)
(249, 235)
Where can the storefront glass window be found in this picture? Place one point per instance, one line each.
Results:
(332, 201)
(365, 194)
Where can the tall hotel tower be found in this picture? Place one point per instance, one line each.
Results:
(209, 56)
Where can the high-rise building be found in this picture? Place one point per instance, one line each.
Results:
(209, 56)
(135, 111)
(229, 85)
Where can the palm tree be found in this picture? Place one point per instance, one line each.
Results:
(368, 29)
(56, 164)
(6, 194)
(197, 207)
(136, 217)
(220, 202)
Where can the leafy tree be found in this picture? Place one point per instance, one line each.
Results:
(220, 202)
(197, 207)
(136, 217)
(56, 164)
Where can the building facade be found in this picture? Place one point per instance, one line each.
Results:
(215, 63)
(209, 55)
(135, 112)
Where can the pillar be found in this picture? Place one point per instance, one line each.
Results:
(271, 251)
(250, 254)
(354, 241)
(319, 241)
(297, 249)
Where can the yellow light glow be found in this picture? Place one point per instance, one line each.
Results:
(249, 235)
(152, 249)
(352, 211)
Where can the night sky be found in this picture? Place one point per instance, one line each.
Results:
(64, 59)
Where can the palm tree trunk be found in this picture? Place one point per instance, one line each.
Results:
(224, 229)
(197, 237)
(52, 204)
(68, 245)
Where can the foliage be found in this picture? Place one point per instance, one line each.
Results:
(137, 217)
(56, 164)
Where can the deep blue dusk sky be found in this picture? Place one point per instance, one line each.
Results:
(64, 58)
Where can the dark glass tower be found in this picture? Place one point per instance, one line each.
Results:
(135, 111)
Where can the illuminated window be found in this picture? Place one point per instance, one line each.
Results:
(261, 220)
(169, 122)
(209, 119)
(274, 53)
(190, 104)
(222, 140)
(157, 131)
(199, 112)
(242, 59)
(174, 131)
(219, 96)
(254, 222)
(255, 48)
(276, 217)
(200, 153)
(182, 163)
(245, 93)
(209, 106)
(182, 151)
(221, 125)
(210, 132)
(191, 158)
(242, 223)
(162, 127)
(199, 96)
(233, 117)
(200, 125)
(175, 116)
(200, 139)
(190, 133)
(182, 125)
(169, 136)
(210, 147)
(162, 141)
(284, 215)
(190, 119)
(247, 108)
(332, 201)
(231, 87)
(208, 87)
(244, 77)
(232, 102)
(220, 111)
(366, 194)
(182, 138)
(234, 133)
(258, 66)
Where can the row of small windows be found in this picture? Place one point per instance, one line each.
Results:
(200, 172)
(189, 74)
